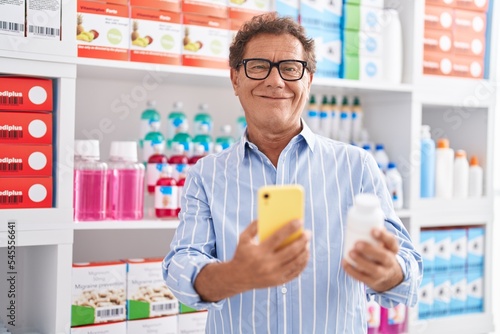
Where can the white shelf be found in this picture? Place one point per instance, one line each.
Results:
(459, 324)
(127, 225)
(356, 86)
(403, 213)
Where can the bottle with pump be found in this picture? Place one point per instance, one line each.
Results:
(241, 123)
(364, 216)
(444, 169)
(427, 163)
(460, 175)
(204, 139)
(179, 162)
(312, 118)
(183, 138)
(335, 118)
(345, 125)
(90, 178)
(125, 182)
(357, 120)
(175, 119)
(475, 178)
(156, 163)
(153, 142)
(203, 123)
(150, 119)
(325, 119)
(395, 185)
(381, 157)
(166, 195)
(225, 139)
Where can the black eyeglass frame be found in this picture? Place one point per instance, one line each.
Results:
(275, 64)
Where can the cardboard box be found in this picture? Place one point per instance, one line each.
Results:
(162, 325)
(438, 41)
(164, 5)
(442, 295)
(25, 160)
(311, 14)
(442, 251)
(288, 8)
(207, 41)
(362, 43)
(443, 3)
(156, 36)
(361, 18)
(43, 19)
(192, 323)
(113, 328)
(458, 257)
(26, 192)
(102, 30)
(426, 249)
(475, 248)
(437, 63)
(475, 291)
(215, 8)
(98, 294)
(25, 94)
(25, 128)
(468, 67)
(369, 3)
(469, 45)
(426, 297)
(473, 5)
(362, 68)
(458, 288)
(437, 17)
(328, 50)
(469, 23)
(246, 9)
(147, 294)
(12, 17)
(332, 14)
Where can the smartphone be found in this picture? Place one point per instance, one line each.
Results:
(278, 205)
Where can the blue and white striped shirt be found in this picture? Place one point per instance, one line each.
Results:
(219, 202)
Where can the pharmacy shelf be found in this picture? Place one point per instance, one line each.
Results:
(460, 324)
(452, 212)
(127, 225)
(403, 213)
(353, 86)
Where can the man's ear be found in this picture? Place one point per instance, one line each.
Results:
(234, 80)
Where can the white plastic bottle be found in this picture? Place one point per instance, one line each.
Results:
(395, 185)
(460, 175)
(392, 37)
(362, 218)
(325, 118)
(335, 118)
(475, 178)
(381, 157)
(357, 120)
(444, 169)
(312, 117)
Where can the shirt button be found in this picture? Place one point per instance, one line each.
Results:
(283, 290)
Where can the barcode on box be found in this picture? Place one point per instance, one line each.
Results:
(14, 167)
(12, 200)
(14, 134)
(44, 31)
(164, 308)
(11, 26)
(12, 100)
(110, 313)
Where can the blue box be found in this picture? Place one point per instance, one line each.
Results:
(442, 251)
(332, 14)
(426, 297)
(475, 292)
(311, 13)
(442, 294)
(458, 257)
(361, 43)
(288, 8)
(362, 18)
(426, 247)
(475, 246)
(328, 47)
(458, 281)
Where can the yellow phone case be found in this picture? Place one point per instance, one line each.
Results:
(278, 205)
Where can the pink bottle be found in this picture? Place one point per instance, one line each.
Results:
(373, 316)
(179, 162)
(394, 320)
(166, 196)
(156, 163)
(89, 192)
(125, 182)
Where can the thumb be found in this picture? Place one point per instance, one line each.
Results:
(249, 233)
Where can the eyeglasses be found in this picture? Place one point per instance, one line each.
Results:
(259, 69)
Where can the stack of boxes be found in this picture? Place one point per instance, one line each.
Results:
(455, 38)
(362, 40)
(453, 272)
(26, 106)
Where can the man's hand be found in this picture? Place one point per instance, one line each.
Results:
(376, 266)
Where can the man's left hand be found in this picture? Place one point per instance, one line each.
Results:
(376, 266)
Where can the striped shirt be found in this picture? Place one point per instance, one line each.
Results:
(219, 202)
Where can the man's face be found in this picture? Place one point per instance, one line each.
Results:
(272, 104)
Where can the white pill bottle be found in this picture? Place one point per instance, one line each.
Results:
(362, 217)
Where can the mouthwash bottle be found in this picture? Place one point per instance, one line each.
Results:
(225, 139)
(345, 125)
(335, 118)
(175, 119)
(182, 137)
(312, 118)
(203, 122)
(179, 161)
(241, 125)
(325, 117)
(150, 119)
(204, 139)
(154, 141)
(166, 195)
(357, 120)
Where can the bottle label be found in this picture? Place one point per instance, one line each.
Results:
(166, 197)
(397, 315)
(373, 314)
(153, 171)
(151, 147)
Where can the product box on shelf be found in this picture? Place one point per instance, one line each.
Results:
(475, 247)
(12, 18)
(442, 295)
(246, 9)
(473, 5)
(475, 291)
(468, 67)
(111, 328)
(192, 323)
(102, 30)
(164, 5)
(156, 36)
(438, 41)
(43, 19)
(469, 45)
(369, 3)
(426, 297)
(437, 17)
(98, 294)
(25, 160)
(234, 26)
(288, 8)
(444, 3)
(163, 325)
(25, 94)
(186, 309)
(205, 41)
(442, 250)
(360, 43)
(458, 258)
(469, 22)
(362, 18)
(328, 49)
(361, 68)
(214, 8)
(26, 192)
(458, 284)
(311, 13)
(437, 63)
(25, 128)
(426, 247)
(147, 294)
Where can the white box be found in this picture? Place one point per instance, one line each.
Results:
(458, 300)
(113, 328)
(442, 295)
(442, 250)
(475, 291)
(426, 297)
(43, 19)
(12, 16)
(162, 325)
(192, 323)
(458, 257)
(475, 247)
(426, 249)
(288, 8)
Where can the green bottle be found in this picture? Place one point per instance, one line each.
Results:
(183, 138)
(175, 119)
(225, 139)
(204, 139)
(241, 125)
(202, 118)
(152, 143)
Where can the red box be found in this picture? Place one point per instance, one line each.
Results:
(469, 45)
(438, 40)
(444, 3)
(25, 94)
(25, 128)
(469, 22)
(167, 5)
(25, 160)
(468, 67)
(476, 5)
(24, 192)
(204, 8)
(437, 17)
(437, 63)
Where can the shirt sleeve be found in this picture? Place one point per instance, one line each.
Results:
(193, 246)
(408, 257)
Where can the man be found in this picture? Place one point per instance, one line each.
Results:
(215, 261)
